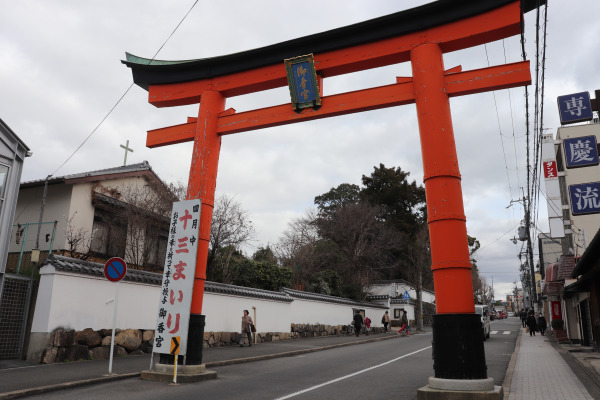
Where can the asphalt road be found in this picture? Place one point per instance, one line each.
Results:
(386, 369)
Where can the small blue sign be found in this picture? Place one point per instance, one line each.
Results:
(575, 107)
(585, 198)
(406, 296)
(115, 269)
(581, 151)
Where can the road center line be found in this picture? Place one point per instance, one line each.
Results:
(350, 375)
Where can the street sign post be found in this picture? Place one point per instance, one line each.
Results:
(115, 269)
(175, 340)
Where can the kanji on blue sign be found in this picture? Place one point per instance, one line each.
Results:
(303, 81)
(585, 198)
(581, 151)
(574, 107)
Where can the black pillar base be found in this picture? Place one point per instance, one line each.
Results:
(195, 341)
(458, 351)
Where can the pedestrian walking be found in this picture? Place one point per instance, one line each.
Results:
(523, 316)
(404, 322)
(367, 325)
(246, 328)
(541, 323)
(385, 320)
(531, 323)
(358, 322)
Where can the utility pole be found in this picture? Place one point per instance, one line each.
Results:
(526, 205)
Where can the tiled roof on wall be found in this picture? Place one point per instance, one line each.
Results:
(331, 299)
(67, 264)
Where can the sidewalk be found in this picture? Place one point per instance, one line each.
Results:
(540, 368)
(16, 375)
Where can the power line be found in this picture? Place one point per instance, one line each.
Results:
(124, 94)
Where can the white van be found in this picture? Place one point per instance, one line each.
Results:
(484, 313)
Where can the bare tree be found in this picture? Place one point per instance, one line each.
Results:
(367, 243)
(298, 248)
(78, 240)
(143, 213)
(418, 269)
(231, 228)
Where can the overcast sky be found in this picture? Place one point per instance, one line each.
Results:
(60, 74)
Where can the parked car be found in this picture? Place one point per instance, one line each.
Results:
(484, 313)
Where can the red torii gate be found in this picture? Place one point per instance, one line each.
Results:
(421, 36)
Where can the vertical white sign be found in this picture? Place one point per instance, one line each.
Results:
(555, 212)
(178, 277)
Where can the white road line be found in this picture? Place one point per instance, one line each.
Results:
(351, 375)
(493, 332)
(506, 333)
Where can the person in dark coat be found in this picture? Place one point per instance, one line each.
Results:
(358, 322)
(531, 323)
(523, 316)
(541, 323)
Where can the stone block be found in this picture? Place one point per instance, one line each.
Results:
(148, 335)
(226, 337)
(119, 351)
(130, 339)
(106, 340)
(88, 337)
(61, 355)
(77, 352)
(100, 353)
(207, 336)
(50, 355)
(146, 347)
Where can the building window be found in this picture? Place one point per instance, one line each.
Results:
(109, 235)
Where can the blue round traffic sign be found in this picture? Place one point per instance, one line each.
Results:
(115, 269)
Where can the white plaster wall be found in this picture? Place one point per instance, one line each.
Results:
(315, 312)
(385, 289)
(224, 313)
(81, 210)
(409, 308)
(83, 301)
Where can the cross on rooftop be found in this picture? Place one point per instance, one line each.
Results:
(127, 149)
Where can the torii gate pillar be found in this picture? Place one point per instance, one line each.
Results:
(457, 342)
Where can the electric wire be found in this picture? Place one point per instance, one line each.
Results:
(123, 95)
(499, 127)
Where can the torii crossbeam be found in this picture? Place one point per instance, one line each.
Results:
(421, 36)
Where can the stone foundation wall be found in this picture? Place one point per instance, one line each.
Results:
(70, 345)
(298, 331)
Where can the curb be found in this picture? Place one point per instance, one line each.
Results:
(67, 385)
(511, 366)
